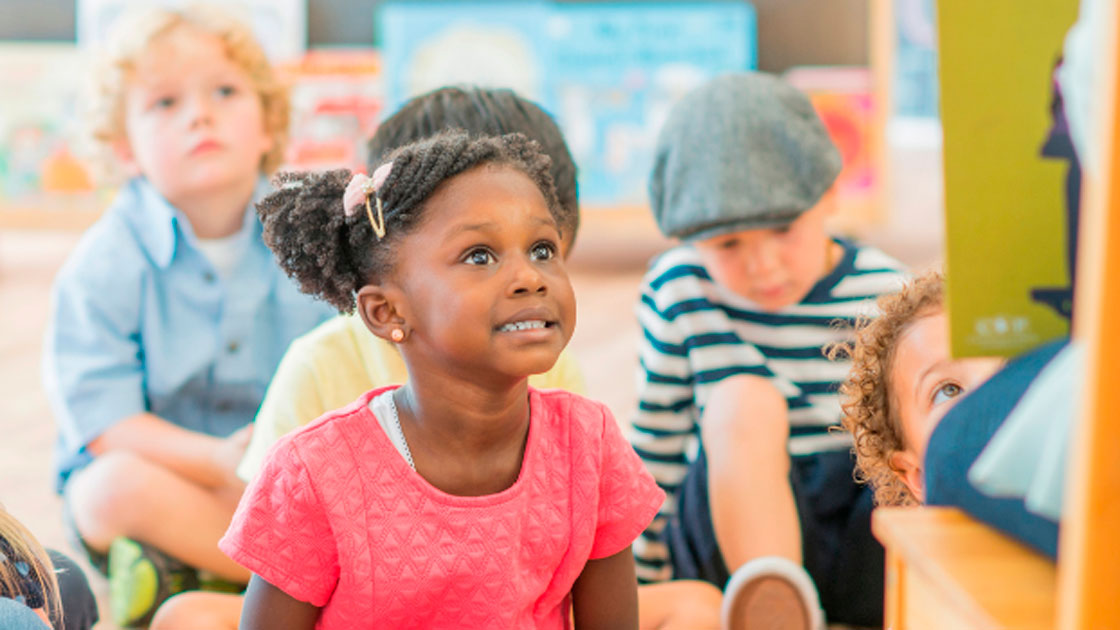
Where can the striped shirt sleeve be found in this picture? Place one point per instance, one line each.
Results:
(696, 333)
(664, 427)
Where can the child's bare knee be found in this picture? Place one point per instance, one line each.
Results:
(195, 609)
(177, 612)
(680, 604)
(106, 494)
(700, 596)
(745, 406)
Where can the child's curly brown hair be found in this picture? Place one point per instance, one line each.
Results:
(870, 408)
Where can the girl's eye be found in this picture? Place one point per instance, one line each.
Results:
(730, 243)
(542, 251)
(226, 90)
(164, 103)
(946, 392)
(479, 256)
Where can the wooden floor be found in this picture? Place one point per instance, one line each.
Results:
(28, 262)
(605, 274)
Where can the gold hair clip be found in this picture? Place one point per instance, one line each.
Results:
(361, 188)
(378, 225)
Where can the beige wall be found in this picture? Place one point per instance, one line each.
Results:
(811, 32)
(791, 32)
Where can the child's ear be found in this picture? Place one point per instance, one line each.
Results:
(380, 308)
(267, 141)
(908, 467)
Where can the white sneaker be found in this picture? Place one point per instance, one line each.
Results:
(771, 593)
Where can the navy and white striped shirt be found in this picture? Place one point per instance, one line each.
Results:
(697, 333)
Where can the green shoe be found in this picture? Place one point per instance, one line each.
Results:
(209, 582)
(141, 578)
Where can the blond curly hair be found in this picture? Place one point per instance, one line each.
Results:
(130, 40)
(870, 408)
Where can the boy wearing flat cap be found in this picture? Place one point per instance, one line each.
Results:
(737, 402)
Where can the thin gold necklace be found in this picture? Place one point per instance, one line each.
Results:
(400, 431)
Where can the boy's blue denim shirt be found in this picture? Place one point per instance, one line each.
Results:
(140, 321)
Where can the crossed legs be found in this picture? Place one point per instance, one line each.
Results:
(123, 494)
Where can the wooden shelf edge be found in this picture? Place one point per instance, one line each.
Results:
(953, 552)
(68, 220)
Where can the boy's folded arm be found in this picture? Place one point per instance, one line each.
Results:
(94, 376)
(93, 365)
(208, 460)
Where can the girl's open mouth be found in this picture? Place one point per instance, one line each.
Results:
(530, 324)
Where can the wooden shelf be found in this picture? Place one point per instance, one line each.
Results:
(68, 216)
(946, 570)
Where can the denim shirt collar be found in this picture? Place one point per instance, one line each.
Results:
(161, 228)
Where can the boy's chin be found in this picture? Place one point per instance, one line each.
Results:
(768, 304)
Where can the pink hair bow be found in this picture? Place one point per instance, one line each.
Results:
(358, 192)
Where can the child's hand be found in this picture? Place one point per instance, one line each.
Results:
(227, 455)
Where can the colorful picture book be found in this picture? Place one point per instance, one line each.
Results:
(608, 72)
(1006, 214)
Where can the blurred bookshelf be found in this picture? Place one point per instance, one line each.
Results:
(66, 216)
(343, 88)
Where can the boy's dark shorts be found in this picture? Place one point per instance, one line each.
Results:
(79, 607)
(839, 552)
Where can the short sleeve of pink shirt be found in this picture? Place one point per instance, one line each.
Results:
(300, 556)
(338, 519)
(626, 492)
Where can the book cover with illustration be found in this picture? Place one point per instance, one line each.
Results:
(39, 127)
(1005, 201)
(844, 100)
(336, 97)
(610, 93)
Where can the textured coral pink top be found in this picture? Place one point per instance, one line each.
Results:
(338, 519)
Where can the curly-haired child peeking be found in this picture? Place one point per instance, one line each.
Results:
(463, 498)
(902, 381)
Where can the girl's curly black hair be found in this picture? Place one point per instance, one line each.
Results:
(332, 255)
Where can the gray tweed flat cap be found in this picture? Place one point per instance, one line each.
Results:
(744, 151)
